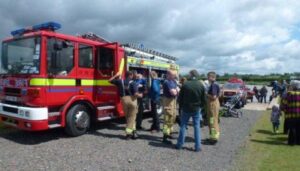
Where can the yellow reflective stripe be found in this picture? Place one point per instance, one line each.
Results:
(88, 82)
(67, 82)
(37, 81)
(103, 83)
(129, 131)
(294, 104)
(132, 60)
(52, 82)
(294, 92)
(95, 83)
(121, 67)
(211, 120)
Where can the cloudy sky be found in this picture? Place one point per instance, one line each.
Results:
(252, 36)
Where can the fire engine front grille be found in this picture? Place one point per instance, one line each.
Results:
(12, 91)
(10, 109)
(229, 93)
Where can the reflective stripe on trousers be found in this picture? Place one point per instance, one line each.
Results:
(169, 105)
(130, 109)
(213, 116)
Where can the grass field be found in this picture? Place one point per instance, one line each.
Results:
(265, 151)
(249, 83)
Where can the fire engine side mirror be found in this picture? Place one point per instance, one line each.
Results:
(66, 44)
(60, 45)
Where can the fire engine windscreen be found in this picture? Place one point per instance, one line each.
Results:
(21, 56)
(60, 56)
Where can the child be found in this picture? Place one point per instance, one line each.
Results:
(275, 117)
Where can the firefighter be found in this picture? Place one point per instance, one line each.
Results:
(128, 91)
(170, 92)
(142, 84)
(213, 108)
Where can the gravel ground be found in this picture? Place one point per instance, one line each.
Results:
(104, 148)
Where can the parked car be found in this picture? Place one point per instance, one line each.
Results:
(250, 94)
(233, 87)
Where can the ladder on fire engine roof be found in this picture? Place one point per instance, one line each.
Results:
(94, 37)
(140, 48)
(132, 48)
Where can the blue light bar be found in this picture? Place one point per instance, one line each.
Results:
(48, 25)
(44, 26)
(18, 32)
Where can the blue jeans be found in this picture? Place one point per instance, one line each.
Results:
(184, 118)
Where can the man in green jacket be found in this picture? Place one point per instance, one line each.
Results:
(191, 100)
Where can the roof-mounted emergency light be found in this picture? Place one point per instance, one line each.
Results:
(44, 26)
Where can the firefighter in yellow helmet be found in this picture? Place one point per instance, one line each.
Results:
(213, 108)
(170, 92)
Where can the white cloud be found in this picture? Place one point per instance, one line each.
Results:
(249, 36)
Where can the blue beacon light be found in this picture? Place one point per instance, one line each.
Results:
(44, 26)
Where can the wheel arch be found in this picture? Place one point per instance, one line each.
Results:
(78, 100)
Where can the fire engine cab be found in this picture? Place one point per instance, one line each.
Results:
(51, 80)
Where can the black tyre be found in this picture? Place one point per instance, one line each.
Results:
(239, 104)
(78, 120)
(244, 101)
(239, 114)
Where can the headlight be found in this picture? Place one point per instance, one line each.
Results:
(21, 112)
(27, 114)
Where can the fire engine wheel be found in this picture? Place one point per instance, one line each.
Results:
(78, 120)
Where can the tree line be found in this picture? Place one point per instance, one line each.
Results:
(256, 77)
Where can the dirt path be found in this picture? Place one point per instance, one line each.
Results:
(105, 149)
(256, 106)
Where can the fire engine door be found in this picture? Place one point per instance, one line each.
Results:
(106, 58)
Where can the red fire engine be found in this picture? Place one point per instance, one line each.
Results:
(51, 80)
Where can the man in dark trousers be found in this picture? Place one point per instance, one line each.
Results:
(256, 93)
(192, 100)
(142, 84)
(155, 98)
(263, 94)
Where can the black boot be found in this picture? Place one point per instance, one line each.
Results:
(165, 140)
(172, 136)
(128, 136)
(134, 135)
